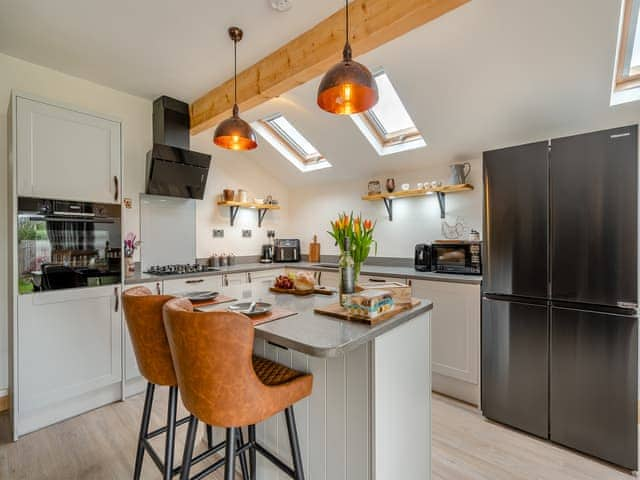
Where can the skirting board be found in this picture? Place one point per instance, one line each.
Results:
(454, 388)
(4, 401)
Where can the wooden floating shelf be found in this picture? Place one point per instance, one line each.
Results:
(262, 209)
(441, 192)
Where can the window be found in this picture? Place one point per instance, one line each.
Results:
(388, 126)
(627, 74)
(290, 143)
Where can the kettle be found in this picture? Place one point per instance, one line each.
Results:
(459, 173)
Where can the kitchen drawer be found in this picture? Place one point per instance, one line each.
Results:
(179, 285)
(233, 279)
(264, 276)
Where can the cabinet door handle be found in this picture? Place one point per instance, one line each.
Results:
(158, 288)
(225, 280)
(115, 293)
(379, 280)
(249, 276)
(319, 278)
(200, 280)
(117, 192)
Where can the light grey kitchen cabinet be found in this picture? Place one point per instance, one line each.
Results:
(65, 153)
(69, 354)
(234, 279)
(192, 284)
(455, 333)
(266, 277)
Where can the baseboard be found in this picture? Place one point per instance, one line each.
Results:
(454, 388)
(4, 401)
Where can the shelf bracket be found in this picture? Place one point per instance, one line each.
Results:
(441, 201)
(388, 203)
(261, 213)
(234, 213)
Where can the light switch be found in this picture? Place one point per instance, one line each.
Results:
(218, 233)
(246, 233)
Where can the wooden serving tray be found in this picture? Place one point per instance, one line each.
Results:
(293, 291)
(338, 311)
(276, 313)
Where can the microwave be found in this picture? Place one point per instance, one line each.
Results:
(456, 257)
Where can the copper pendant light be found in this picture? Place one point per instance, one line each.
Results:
(234, 133)
(348, 87)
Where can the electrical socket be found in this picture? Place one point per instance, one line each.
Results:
(246, 233)
(218, 233)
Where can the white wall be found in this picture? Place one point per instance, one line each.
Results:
(415, 220)
(236, 170)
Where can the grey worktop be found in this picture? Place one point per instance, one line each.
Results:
(373, 270)
(309, 332)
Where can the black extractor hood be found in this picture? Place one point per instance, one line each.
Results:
(172, 169)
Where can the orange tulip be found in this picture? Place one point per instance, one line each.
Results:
(367, 224)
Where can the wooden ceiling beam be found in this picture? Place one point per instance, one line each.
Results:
(372, 23)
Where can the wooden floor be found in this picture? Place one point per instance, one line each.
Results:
(101, 444)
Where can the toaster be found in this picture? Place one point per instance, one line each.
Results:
(286, 250)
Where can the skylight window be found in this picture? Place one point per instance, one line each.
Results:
(388, 126)
(290, 143)
(627, 75)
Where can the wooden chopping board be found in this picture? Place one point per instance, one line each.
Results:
(338, 311)
(314, 250)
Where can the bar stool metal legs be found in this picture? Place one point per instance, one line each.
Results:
(235, 446)
(293, 442)
(165, 467)
(171, 433)
(144, 430)
(230, 455)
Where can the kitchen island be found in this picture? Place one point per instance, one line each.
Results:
(369, 416)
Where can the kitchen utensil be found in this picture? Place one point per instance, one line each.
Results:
(242, 196)
(228, 195)
(198, 296)
(405, 186)
(250, 308)
(459, 173)
(391, 185)
(374, 187)
(314, 250)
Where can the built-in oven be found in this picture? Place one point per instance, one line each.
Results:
(67, 244)
(457, 257)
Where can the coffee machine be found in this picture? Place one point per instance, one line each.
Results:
(267, 253)
(268, 248)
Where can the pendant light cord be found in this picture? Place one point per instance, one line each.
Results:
(346, 53)
(235, 77)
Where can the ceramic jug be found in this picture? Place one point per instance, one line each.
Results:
(459, 173)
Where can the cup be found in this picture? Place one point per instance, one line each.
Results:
(242, 196)
(228, 195)
(419, 185)
(405, 186)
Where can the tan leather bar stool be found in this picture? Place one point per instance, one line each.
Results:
(143, 313)
(224, 385)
